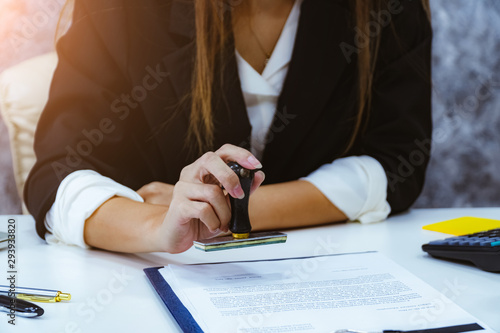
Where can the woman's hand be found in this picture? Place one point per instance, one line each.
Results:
(199, 207)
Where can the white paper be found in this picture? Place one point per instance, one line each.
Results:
(364, 291)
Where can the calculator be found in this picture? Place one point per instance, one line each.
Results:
(481, 249)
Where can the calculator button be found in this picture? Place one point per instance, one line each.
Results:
(439, 242)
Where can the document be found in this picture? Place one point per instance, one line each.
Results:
(363, 291)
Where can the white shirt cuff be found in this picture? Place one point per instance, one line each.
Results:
(357, 185)
(78, 197)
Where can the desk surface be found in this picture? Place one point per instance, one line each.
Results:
(111, 293)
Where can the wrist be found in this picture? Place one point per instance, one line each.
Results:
(154, 238)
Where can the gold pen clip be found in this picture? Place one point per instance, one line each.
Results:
(45, 299)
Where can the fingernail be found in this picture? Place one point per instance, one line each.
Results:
(216, 231)
(255, 162)
(238, 192)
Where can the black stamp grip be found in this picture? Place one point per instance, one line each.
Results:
(240, 220)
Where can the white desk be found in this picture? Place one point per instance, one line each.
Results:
(111, 293)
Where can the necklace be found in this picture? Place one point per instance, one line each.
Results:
(261, 47)
(266, 54)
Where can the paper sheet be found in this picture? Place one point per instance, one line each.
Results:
(321, 294)
(463, 225)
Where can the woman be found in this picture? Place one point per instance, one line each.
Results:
(150, 100)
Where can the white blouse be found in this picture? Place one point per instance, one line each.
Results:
(357, 185)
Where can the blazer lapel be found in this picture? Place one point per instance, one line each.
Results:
(170, 63)
(179, 62)
(314, 72)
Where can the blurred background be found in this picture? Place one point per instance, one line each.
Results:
(27, 29)
(465, 162)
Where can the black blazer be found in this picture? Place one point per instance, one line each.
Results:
(117, 103)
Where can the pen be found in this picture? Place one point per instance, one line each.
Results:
(37, 295)
(20, 307)
(447, 329)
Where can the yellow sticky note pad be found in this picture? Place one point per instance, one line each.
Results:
(463, 225)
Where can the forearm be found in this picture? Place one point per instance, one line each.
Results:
(290, 205)
(124, 225)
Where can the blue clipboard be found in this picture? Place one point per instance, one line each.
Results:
(172, 302)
